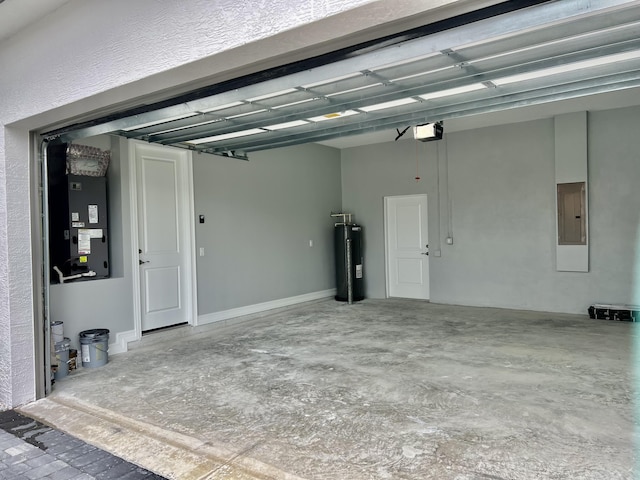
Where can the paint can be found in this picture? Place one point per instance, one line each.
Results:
(62, 357)
(57, 331)
(94, 346)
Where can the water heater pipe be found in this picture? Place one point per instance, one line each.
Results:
(349, 270)
(344, 218)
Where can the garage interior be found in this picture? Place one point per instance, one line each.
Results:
(272, 378)
(383, 388)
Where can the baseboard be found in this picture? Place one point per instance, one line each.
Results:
(122, 339)
(263, 307)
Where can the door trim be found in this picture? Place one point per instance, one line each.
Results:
(386, 200)
(188, 211)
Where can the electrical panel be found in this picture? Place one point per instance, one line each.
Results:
(572, 223)
(78, 221)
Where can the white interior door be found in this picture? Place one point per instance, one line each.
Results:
(407, 242)
(163, 235)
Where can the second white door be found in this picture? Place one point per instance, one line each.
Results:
(163, 236)
(407, 246)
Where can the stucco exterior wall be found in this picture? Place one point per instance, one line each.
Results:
(17, 356)
(5, 327)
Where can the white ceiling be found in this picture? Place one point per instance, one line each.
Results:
(17, 14)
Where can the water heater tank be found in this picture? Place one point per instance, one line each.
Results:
(348, 243)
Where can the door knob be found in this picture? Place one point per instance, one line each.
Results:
(141, 262)
(424, 253)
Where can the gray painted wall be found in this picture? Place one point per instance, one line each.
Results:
(614, 202)
(104, 303)
(501, 190)
(368, 175)
(260, 216)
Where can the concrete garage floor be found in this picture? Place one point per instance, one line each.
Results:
(382, 389)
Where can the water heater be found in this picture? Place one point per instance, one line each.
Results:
(348, 259)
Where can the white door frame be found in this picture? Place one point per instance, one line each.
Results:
(188, 210)
(386, 240)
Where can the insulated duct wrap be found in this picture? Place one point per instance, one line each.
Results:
(86, 160)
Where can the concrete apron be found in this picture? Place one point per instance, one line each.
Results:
(164, 452)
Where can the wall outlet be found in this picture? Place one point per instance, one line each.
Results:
(449, 240)
(201, 252)
(311, 243)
